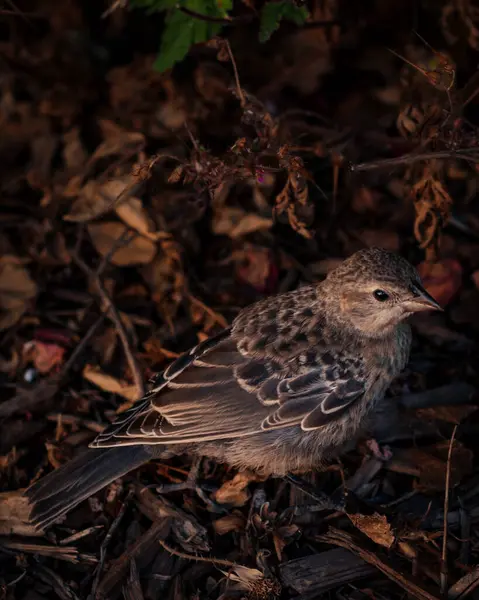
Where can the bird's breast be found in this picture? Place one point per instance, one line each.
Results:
(390, 355)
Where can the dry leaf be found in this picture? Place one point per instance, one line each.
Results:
(110, 384)
(441, 279)
(117, 141)
(235, 222)
(132, 212)
(105, 236)
(166, 279)
(235, 521)
(14, 512)
(375, 526)
(16, 290)
(44, 356)
(96, 199)
(235, 491)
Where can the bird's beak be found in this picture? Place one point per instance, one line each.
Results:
(423, 300)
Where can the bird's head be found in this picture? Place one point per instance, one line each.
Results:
(374, 290)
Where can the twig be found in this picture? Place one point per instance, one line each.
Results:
(140, 550)
(220, 20)
(115, 317)
(344, 540)
(235, 70)
(105, 543)
(81, 346)
(244, 19)
(207, 559)
(446, 510)
(412, 158)
(125, 238)
(216, 316)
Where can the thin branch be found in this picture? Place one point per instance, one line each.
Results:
(207, 559)
(446, 510)
(212, 313)
(244, 19)
(115, 317)
(106, 542)
(235, 70)
(81, 346)
(220, 20)
(466, 154)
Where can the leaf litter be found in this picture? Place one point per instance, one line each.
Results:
(139, 212)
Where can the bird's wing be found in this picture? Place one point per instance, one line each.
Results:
(216, 391)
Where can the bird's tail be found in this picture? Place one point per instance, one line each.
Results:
(61, 490)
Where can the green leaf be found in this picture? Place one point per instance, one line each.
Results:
(274, 12)
(182, 30)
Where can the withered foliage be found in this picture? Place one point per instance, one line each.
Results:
(139, 212)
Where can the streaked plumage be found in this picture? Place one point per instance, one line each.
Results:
(286, 387)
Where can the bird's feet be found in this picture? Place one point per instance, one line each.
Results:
(382, 453)
(191, 483)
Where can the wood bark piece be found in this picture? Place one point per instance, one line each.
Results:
(344, 540)
(110, 586)
(321, 572)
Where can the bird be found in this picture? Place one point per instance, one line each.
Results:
(287, 387)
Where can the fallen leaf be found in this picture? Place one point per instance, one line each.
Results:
(106, 235)
(133, 213)
(235, 491)
(375, 526)
(441, 279)
(235, 222)
(117, 141)
(14, 513)
(235, 521)
(44, 356)
(166, 279)
(108, 383)
(96, 199)
(16, 290)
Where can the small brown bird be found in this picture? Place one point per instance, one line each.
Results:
(288, 386)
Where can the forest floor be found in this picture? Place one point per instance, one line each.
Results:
(139, 212)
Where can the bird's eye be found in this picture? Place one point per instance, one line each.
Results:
(381, 295)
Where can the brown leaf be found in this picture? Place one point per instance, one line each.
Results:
(235, 222)
(14, 511)
(166, 279)
(44, 356)
(105, 236)
(96, 199)
(441, 279)
(235, 521)
(108, 383)
(117, 141)
(132, 212)
(375, 526)
(235, 491)
(16, 290)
